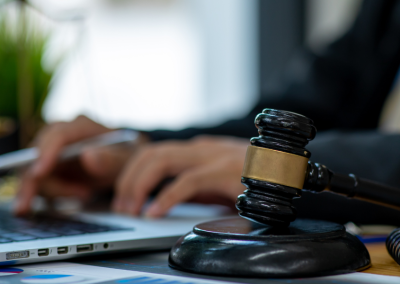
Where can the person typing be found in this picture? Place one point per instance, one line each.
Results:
(343, 89)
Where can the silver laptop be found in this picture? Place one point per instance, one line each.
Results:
(45, 238)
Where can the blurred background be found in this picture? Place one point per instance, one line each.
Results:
(149, 64)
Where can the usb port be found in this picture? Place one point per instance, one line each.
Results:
(84, 248)
(43, 252)
(62, 250)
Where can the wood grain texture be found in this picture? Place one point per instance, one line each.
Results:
(382, 263)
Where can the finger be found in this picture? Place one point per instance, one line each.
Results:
(54, 187)
(49, 145)
(128, 199)
(50, 187)
(213, 180)
(147, 170)
(49, 142)
(27, 190)
(53, 138)
(123, 181)
(105, 162)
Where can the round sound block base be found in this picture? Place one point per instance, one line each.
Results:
(239, 247)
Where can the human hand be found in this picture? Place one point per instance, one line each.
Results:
(93, 170)
(207, 169)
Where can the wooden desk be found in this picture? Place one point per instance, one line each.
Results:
(382, 263)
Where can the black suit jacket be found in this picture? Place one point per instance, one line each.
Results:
(342, 88)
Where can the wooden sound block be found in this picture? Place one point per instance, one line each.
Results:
(239, 247)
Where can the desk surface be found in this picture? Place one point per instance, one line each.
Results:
(157, 262)
(382, 263)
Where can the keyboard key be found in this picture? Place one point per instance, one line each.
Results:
(46, 235)
(67, 232)
(95, 230)
(41, 234)
(23, 238)
(12, 235)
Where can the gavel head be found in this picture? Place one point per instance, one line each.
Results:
(275, 167)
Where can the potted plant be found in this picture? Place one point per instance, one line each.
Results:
(24, 82)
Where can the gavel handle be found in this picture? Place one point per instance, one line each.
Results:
(320, 178)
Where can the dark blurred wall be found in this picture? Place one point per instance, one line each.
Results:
(281, 32)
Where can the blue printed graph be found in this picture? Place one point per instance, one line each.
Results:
(9, 271)
(149, 280)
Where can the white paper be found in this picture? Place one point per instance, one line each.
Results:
(71, 273)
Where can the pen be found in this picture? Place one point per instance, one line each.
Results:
(26, 156)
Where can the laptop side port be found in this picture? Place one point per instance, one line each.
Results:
(62, 250)
(43, 252)
(17, 254)
(84, 248)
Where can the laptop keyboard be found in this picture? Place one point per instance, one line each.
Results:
(15, 229)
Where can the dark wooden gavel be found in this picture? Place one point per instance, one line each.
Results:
(277, 169)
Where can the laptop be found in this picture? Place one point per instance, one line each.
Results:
(42, 237)
(46, 238)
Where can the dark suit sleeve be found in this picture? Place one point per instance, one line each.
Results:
(344, 86)
(367, 154)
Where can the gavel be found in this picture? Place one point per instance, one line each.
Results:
(277, 169)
